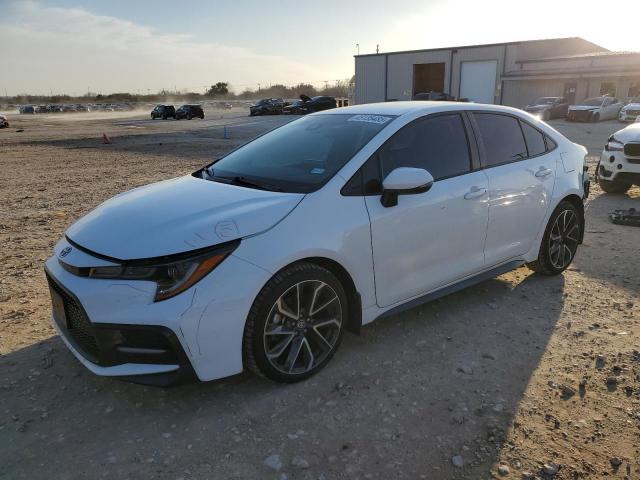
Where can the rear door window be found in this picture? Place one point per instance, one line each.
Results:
(534, 139)
(502, 138)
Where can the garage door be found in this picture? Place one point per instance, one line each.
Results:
(478, 81)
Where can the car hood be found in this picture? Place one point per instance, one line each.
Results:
(583, 107)
(629, 134)
(631, 106)
(178, 215)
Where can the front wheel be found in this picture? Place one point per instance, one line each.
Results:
(295, 324)
(595, 117)
(560, 240)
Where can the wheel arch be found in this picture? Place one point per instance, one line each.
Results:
(576, 201)
(353, 296)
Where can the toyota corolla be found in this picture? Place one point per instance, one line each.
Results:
(264, 258)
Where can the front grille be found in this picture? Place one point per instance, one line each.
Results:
(78, 326)
(634, 113)
(632, 149)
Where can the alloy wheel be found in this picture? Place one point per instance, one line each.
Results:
(563, 240)
(303, 327)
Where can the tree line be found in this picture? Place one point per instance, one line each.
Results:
(217, 91)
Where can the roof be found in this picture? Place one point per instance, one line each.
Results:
(579, 56)
(597, 47)
(408, 107)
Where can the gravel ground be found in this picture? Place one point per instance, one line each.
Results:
(518, 377)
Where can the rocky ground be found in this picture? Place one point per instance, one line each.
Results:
(518, 377)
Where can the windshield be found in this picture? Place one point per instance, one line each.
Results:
(593, 102)
(544, 101)
(301, 155)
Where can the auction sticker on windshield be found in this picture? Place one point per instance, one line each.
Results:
(378, 119)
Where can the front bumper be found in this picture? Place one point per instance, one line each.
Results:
(628, 116)
(616, 166)
(580, 115)
(202, 328)
(148, 354)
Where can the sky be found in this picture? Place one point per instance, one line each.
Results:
(76, 46)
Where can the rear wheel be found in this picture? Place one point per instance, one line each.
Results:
(595, 117)
(295, 324)
(560, 240)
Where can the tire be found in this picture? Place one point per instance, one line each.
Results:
(560, 240)
(613, 186)
(164, 117)
(309, 340)
(189, 117)
(595, 118)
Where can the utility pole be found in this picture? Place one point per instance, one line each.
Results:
(358, 48)
(377, 49)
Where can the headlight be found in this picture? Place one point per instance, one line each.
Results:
(173, 274)
(614, 145)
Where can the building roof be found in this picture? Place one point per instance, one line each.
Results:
(596, 47)
(579, 56)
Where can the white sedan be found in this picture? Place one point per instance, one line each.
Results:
(263, 259)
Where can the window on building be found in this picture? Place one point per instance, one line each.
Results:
(438, 144)
(502, 138)
(608, 88)
(534, 139)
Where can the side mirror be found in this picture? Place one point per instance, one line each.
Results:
(404, 181)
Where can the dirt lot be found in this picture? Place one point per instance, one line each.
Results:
(519, 375)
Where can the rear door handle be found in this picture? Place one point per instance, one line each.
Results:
(543, 172)
(475, 192)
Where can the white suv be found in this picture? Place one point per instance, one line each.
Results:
(264, 258)
(619, 165)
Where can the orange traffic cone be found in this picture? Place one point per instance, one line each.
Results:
(106, 140)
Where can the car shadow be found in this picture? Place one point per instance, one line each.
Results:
(406, 395)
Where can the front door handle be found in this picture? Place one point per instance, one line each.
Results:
(475, 192)
(543, 172)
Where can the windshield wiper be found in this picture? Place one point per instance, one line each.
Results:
(244, 182)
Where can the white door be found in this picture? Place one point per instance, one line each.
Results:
(521, 178)
(478, 81)
(428, 239)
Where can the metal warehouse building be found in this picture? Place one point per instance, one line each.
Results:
(514, 73)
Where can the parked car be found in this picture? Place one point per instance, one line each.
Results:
(189, 112)
(163, 112)
(267, 106)
(264, 258)
(27, 109)
(548, 108)
(631, 111)
(309, 105)
(619, 165)
(4, 122)
(595, 109)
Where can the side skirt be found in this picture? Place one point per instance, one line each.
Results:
(481, 277)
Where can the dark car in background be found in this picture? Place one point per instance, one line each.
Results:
(548, 108)
(27, 109)
(189, 112)
(267, 106)
(309, 105)
(163, 112)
